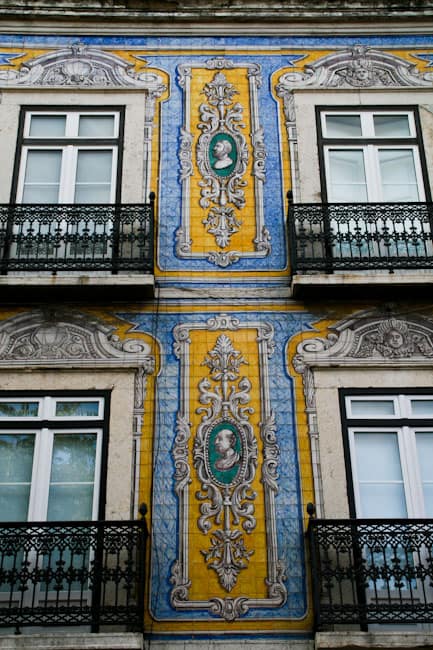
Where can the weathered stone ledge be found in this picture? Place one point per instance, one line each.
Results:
(322, 11)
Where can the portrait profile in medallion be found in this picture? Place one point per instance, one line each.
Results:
(225, 452)
(222, 154)
(225, 446)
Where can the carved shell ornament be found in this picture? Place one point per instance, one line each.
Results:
(82, 66)
(368, 337)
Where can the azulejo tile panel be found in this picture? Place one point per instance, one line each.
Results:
(227, 513)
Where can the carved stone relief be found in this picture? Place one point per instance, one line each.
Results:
(81, 66)
(60, 340)
(359, 67)
(363, 341)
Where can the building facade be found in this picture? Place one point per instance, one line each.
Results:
(217, 254)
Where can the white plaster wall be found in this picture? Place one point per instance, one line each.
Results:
(121, 385)
(133, 100)
(327, 382)
(307, 100)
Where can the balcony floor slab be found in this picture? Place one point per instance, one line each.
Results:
(362, 283)
(377, 640)
(72, 641)
(80, 286)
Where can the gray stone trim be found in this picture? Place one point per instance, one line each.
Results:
(61, 340)
(359, 67)
(367, 339)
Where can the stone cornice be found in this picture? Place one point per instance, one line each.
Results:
(222, 11)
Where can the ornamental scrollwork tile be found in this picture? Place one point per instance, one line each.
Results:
(225, 457)
(182, 475)
(222, 158)
(229, 608)
(223, 322)
(222, 152)
(223, 450)
(54, 336)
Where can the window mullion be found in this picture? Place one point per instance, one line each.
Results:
(367, 124)
(373, 180)
(408, 463)
(72, 122)
(67, 185)
(355, 478)
(41, 475)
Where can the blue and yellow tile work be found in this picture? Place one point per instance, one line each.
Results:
(225, 460)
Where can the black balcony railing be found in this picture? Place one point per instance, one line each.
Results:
(72, 573)
(114, 238)
(356, 236)
(371, 571)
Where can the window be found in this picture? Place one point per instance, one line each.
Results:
(370, 156)
(69, 156)
(50, 456)
(390, 443)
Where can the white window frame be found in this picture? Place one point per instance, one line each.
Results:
(367, 123)
(43, 446)
(371, 149)
(406, 437)
(73, 145)
(47, 408)
(38, 502)
(72, 122)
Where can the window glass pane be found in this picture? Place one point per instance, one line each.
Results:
(343, 126)
(94, 166)
(71, 502)
(96, 126)
(16, 457)
(424, 446)
(42, 177)
(391, 126)
(77, 409)
(377, 457)
(367, 408)
(380, 477)
(93, 180)
(398, 176)
(421, 407)
(384, 500)
(72, 476)
(347, 176)
(73, 457)
(47, 126)
(14, 502)
(93, 194)
(16, 461)
(43, 166)
(19, 409)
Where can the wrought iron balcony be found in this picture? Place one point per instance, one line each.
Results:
(371, 571)
(72, 573)
(357, 236)
(87, 238)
